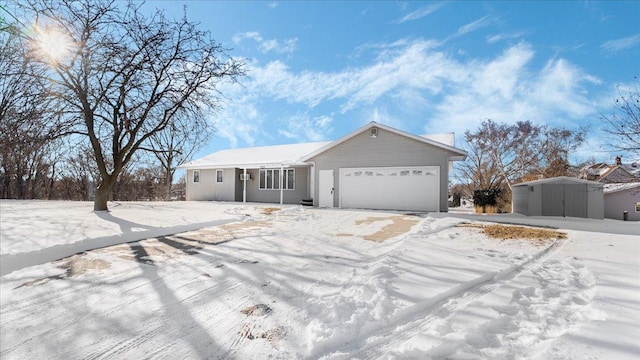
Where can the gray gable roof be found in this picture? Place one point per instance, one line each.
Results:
(298, 154)
(459, 154)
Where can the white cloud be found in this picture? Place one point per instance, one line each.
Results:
(288, 46)
(621, 44)
(303, 127)
(475, 25)
(507, 89)
(272, 5)
(413, 79)
(421, 12)
(412, 66)
(505, 36)
(382, 115)
(237, 38)
(381, 48)
(239, 120)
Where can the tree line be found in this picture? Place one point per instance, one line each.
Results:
(103, 93)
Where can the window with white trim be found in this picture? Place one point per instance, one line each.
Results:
(270, 179)
(196, 176)
(219, 175)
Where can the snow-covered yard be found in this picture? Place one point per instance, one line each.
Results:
(227, 280)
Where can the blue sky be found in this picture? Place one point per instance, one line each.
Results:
(319, 70)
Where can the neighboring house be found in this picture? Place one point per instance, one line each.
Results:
(559, 196)
(607, 174)
(619, 198)
(374, 167)
(621, 189)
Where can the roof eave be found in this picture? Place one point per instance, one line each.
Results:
(248, 166)
(547, 180)
(458, 157)
(329, 146)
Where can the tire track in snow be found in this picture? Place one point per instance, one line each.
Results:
(162, 325)
(534, 315)
(35, 301)
(403, 325)
(40, 306)
(107, 313)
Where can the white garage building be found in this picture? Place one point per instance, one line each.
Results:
(374, 167)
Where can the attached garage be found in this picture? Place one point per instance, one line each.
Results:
(559, 196)
(390, 188)
(378, 167)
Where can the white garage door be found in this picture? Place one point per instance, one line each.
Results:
(390, 188)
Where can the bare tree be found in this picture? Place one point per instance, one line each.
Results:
(176, 145)
(623, 123)
(129, 77)
(29, 122)
(500, 154)
(478, 171)
(556, 145)
(507, 152)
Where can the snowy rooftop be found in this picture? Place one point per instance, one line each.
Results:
(633, 168)
(616, 187)
(447, 139)
(276, 155)
(255, 157)
(559, 179)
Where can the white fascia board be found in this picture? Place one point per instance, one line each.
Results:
(243, 166)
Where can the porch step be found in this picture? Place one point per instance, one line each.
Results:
(306, 202)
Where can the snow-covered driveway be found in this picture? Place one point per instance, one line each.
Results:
(309, 283)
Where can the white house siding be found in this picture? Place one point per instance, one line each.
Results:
(387, 149)
(231, 189)
(208, 189)
(616, 203)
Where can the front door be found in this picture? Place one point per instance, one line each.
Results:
(325, 189)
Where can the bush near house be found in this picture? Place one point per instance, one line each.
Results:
(486, 200)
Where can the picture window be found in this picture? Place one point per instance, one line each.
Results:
(270, 179)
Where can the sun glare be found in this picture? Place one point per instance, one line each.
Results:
(53, 44)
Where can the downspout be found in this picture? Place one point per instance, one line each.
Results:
(281, 189)
(244, 186)
(311, 191)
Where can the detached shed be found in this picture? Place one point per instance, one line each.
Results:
(559, 196)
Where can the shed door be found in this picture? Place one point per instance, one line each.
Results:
(552, 200)
(564, 200)
(390, 188)
(575, 197)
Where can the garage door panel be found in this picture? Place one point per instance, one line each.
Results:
(391, 188)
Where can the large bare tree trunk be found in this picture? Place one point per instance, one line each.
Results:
(103, 192)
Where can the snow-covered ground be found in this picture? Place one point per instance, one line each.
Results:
(228, 280)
